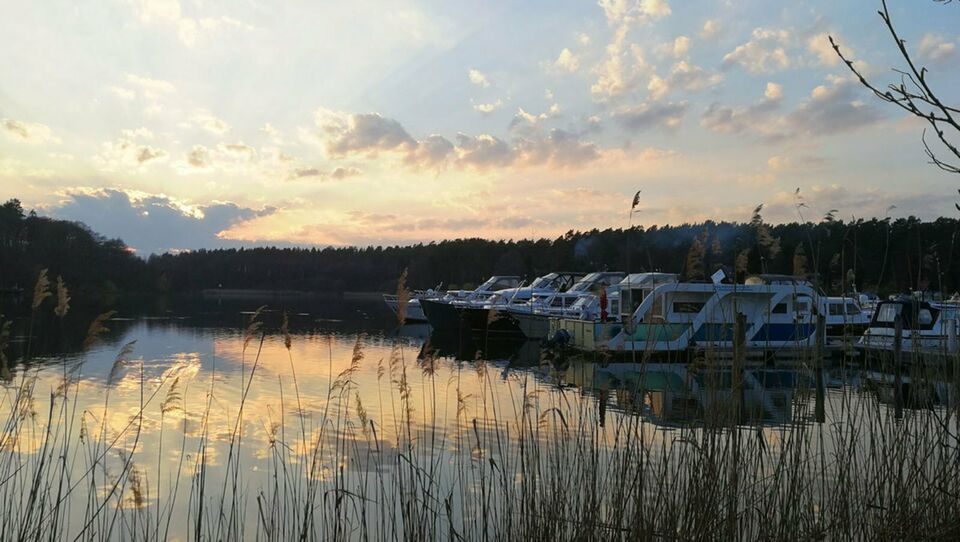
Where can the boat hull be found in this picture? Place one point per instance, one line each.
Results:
(533, 326)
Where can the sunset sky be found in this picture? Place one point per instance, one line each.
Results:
(203, 123)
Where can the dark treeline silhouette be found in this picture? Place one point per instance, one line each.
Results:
(870, 255)
(88, 262)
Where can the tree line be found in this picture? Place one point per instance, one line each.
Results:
(881, 255)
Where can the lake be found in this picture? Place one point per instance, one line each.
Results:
(322, 419)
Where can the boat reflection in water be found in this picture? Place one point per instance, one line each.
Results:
(704, 394)
(673, 395)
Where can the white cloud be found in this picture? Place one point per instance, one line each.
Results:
(622, 68)
(154, 223)
(478, 78)
(126, 154)
(630, 11)
(678, 48)
(764, 53)
(205, 120)
(774, 91)
(368, 133)
(683, 76)
(711, 29)
(936, 49)
(567, 62)
(820, 46)
(655, 8)
(122, 93)
(488, 108)
(33, 133)
(189, 29)
(651, 115)
(151, 87)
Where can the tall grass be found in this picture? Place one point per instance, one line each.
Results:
(574, 449)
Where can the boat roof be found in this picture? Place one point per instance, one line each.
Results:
(770, 278)
(634, 280)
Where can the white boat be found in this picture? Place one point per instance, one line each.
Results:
(532, 319)
(925, 328)
(442, 312)
(845, 320)
(677, 316)
(414, 312)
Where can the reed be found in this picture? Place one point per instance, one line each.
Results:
(482, 451)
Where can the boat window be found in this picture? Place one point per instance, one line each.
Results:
(924, 318)
(503, 284)
(888, 313)
(687, 307)
(658, 306)
(835, 309)
(779, 308)
(853, 309)
(802, 306)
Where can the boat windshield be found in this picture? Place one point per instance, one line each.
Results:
(546, 281)
(585, 283)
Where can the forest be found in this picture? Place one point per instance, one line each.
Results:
(884, 256)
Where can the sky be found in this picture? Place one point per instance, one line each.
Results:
(184, 124)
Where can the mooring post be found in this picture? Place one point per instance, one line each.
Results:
(952, 335)
(819, 352)
(739, 360)
(897, 366)
(736, 385)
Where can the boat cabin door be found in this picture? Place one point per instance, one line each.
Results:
(803, 309)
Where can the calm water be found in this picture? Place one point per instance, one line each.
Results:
(199, 396)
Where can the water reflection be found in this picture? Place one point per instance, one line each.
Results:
(199, 394)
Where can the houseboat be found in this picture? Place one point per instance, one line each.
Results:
(675, 317)
(926, 329)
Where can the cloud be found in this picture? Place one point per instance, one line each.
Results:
(683, 76)
(33, 133)
(764, 53)
(189, 29)
(711, 29)
(337, 173)
(483, 151)
(829, 110)
(122, 93)
(199, 157)
(651, 115)
(757, 117)
(432, 151)
(367, 133)
(149, 86)
(559, 148)
(774, 91)
(126, 154)
(153, 223)
(833, 109)
(478, 78)
(566, 62)
(678, 48)
(205, 120)
(936, 49)
(820, 46)
(488, 108)
(621, 69)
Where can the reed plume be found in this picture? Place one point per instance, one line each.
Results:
(403, 297)
(63, 298)
(41, 290)
(97, 328)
